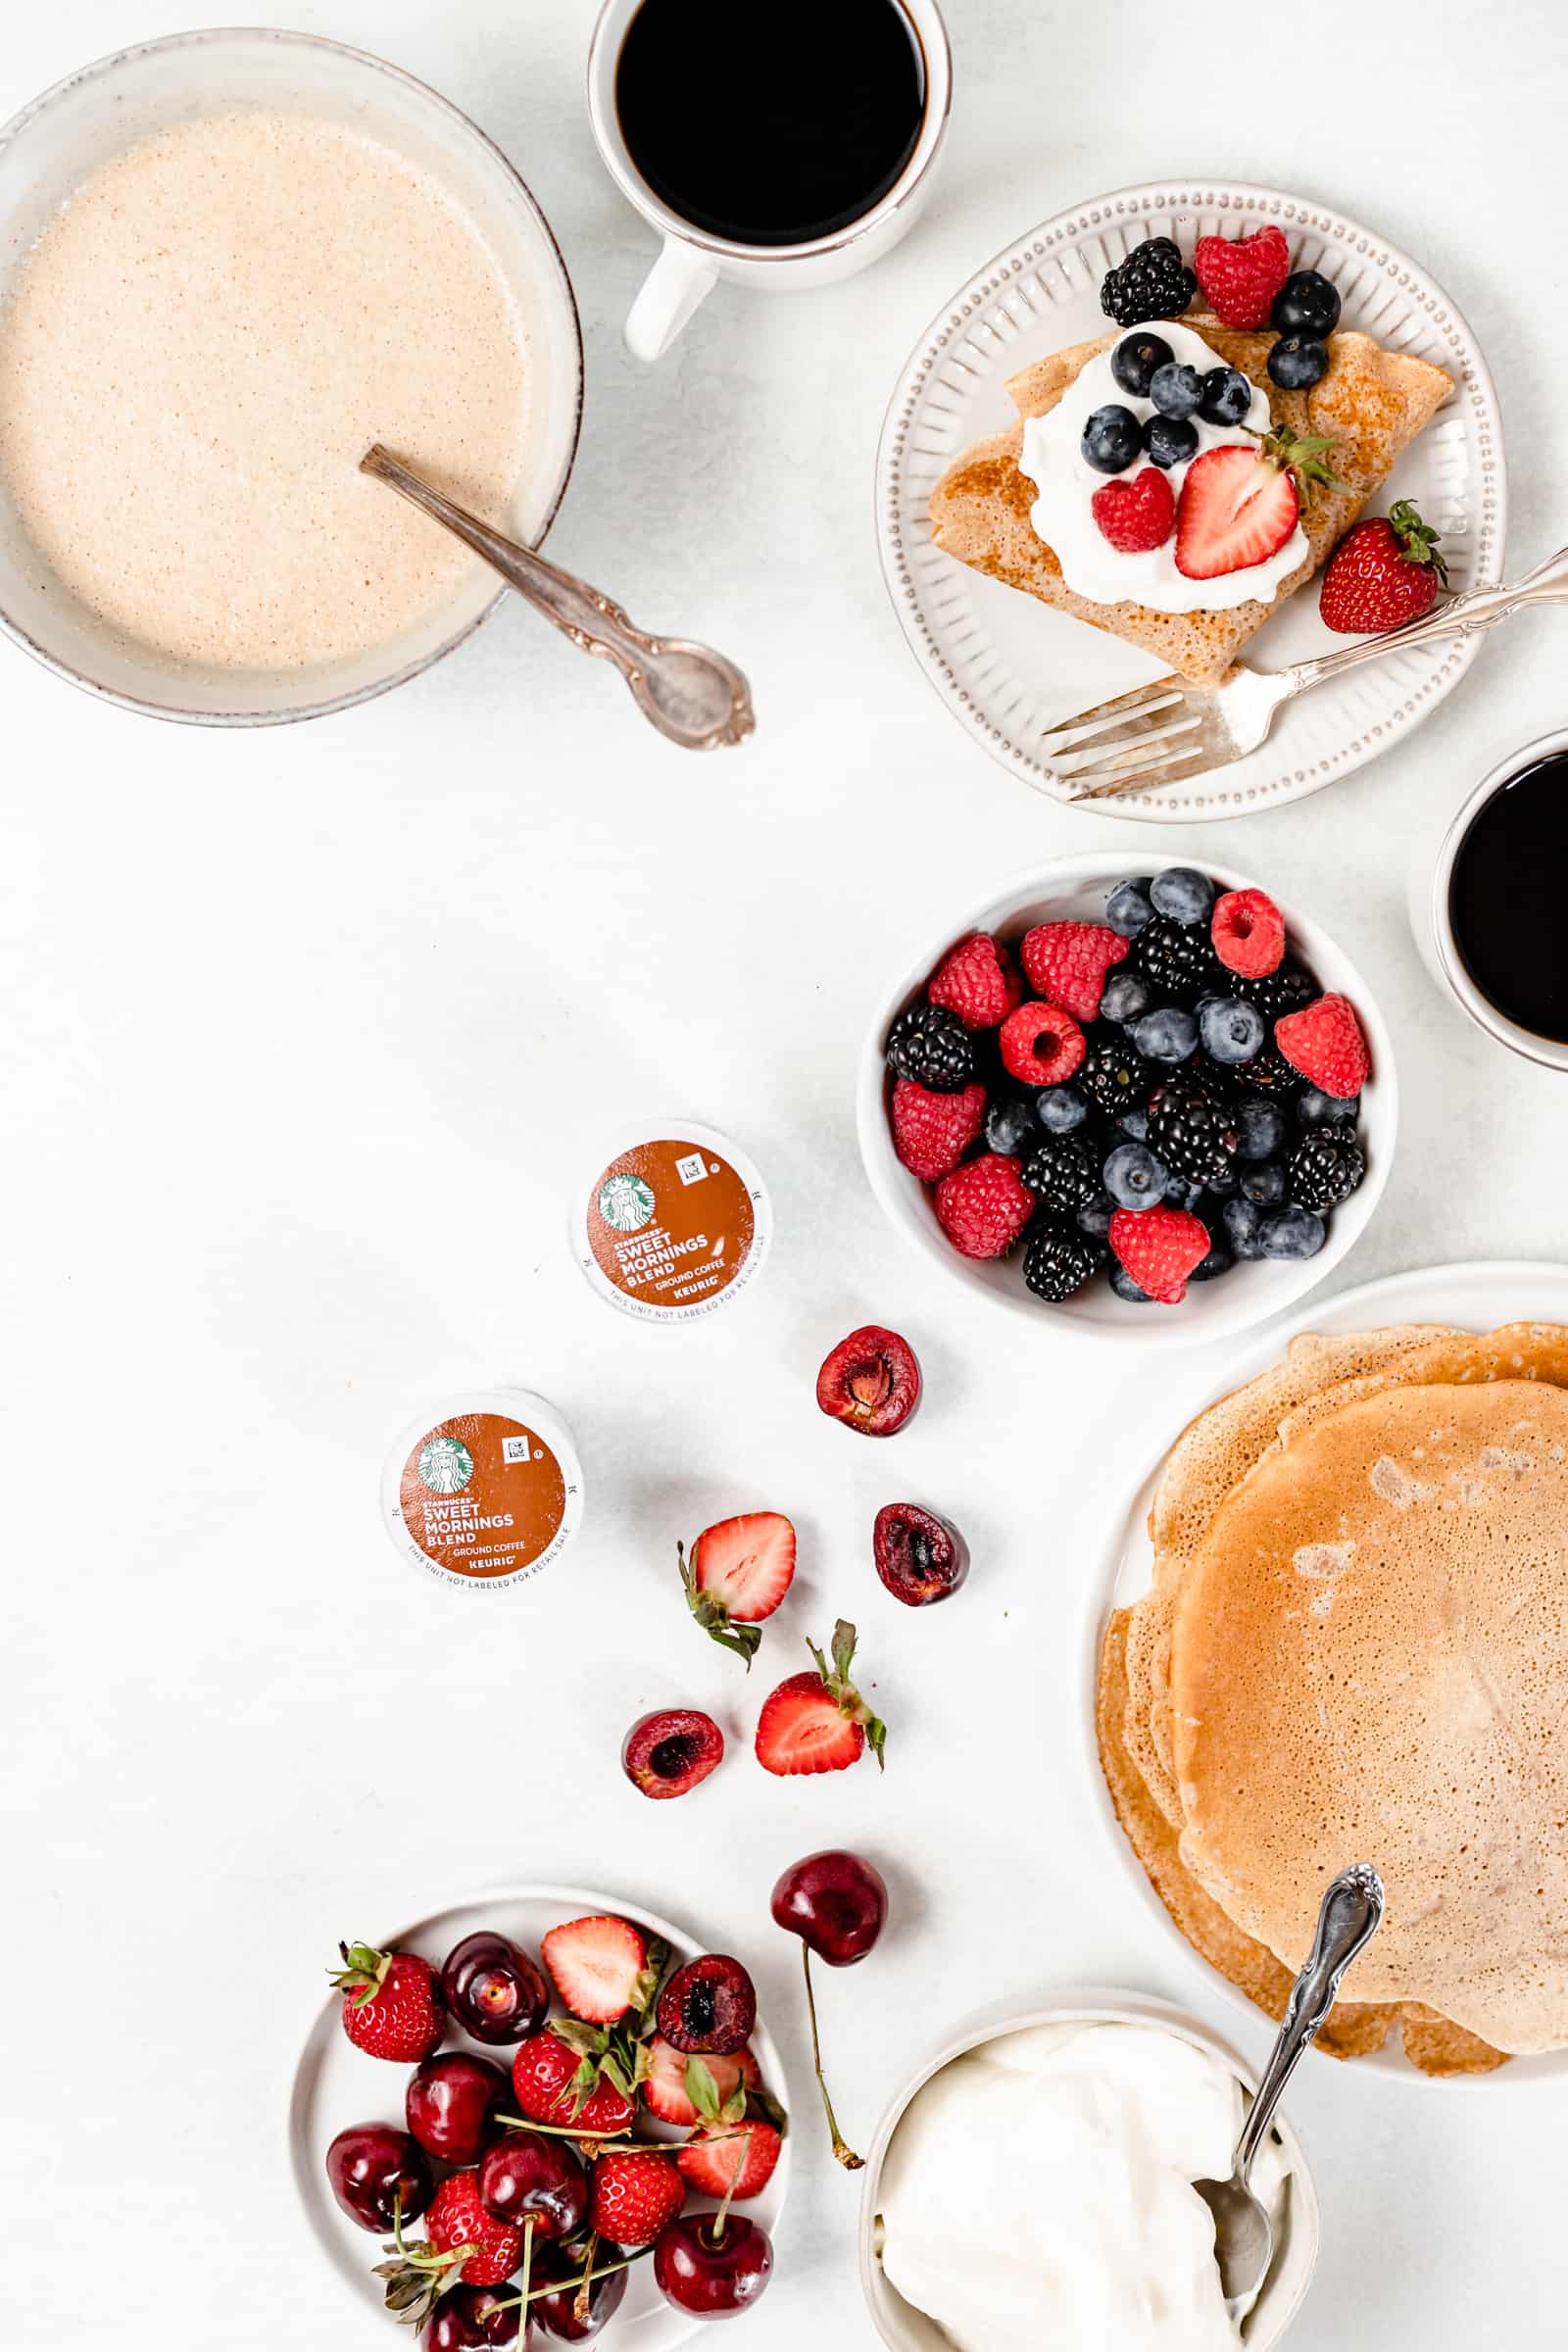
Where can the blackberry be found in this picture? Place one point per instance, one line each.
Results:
(1115, 1078)
(1285, 990)
(1325, 1168)
(930, 1045)
(1176, 959)
(1191, 1130)
(1060, 1174)
(1268, 1073)
(1153, 282)
(1058, 1262)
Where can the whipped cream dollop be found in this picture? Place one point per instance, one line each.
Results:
(1052, 459)
(1038, 2190)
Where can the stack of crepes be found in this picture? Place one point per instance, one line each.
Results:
(1355, 1648)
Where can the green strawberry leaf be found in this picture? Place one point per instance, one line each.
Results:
(703, 2091)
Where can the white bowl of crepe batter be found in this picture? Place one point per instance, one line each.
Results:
(228, 262)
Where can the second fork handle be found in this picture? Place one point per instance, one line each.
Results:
(1463, 615)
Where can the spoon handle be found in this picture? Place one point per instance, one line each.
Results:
(1350, 1914)
(690, 693)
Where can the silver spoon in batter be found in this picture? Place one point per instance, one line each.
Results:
(689, 693)
(1244, 2235)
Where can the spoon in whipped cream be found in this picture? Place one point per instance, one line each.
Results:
(690, 693)
(1350, 1916)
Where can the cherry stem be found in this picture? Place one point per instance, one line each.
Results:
(715, 2227)
(842, 2150)
(606, 2269)
(528, 2269)
(525, 2123)
(582, 2301)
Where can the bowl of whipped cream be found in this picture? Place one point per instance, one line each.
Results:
(1096, 2113)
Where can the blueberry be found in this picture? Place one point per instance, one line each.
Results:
(1183, 894)
(1259, 1128)
(1298, 361)
(1314, 1109)
(1231, 1030)
(1059, 1110)
(1113, 439)
(1125, 995)
(1010, 1124)
(1136, 1124)
(1094, 1218)
(1122, 1283)
(1180, 1193)
(1134, 1177)
(1293, 1233)
(1308, 304)
(1264, 1183)
(1176, 389)
(1227, 396)
(1169, 1035)
(1170, 441)
(1128, 908)
(1220, 1259)
(1244, 1226)
(1134, 361)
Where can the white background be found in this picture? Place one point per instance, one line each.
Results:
(308, 1034)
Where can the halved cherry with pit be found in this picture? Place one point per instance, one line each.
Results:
(870, 1382)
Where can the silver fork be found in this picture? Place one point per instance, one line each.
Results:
(1159, 733)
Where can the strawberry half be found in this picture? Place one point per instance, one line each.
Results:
(819, 1722)
(600, 1968)
(738, 1573)
(1239, 506)
(730, 2160)
(674, 2080)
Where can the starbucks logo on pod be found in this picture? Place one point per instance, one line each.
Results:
(626, 1201)
(445, 1465)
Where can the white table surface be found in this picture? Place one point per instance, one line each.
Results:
(309, 1031)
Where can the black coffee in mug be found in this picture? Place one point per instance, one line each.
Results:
(770, 126)
(1508, 891)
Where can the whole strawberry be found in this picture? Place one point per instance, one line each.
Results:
(456, 2220)
(634, 2197)
(1241, 276)
(931, 1133)
(978, 980)
(731, 2159)
(1384, 572)
(983, 1206)
(557, 2081)
(393, 2005)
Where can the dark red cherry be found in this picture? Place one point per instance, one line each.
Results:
(467, 2318)
(708, 2007)
(376, 2173)
(871, 1380)
(451, 2102)
(713, 2265)
(493, 1989)
(920, 1557)
(834, 1901)
(556, 2312)
(529, 2178)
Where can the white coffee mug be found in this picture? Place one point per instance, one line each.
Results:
(1432, 922)
(692, 261)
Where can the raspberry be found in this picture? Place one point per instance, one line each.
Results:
(931, 1133)
(1159, 1248)
(1248, 933)
(978, 981)
(1067, 964)
(1040, 1044)
(1138, 514)
(983, 1207)
(1241, 276)
(1324, 1042)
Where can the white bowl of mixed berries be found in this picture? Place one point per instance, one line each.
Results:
(1146, 1103)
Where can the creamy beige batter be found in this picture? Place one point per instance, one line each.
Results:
(195, 356)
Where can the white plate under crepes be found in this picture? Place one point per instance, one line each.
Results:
(1010, 667)
(1476, 1295)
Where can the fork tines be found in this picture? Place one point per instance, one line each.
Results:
(1128, 742)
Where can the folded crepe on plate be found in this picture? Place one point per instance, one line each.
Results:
(1371, 403)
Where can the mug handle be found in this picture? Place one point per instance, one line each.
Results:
(677, 283)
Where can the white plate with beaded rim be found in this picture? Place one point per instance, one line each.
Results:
(335, 2085)
(1011, 669)
(1475, 1294)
